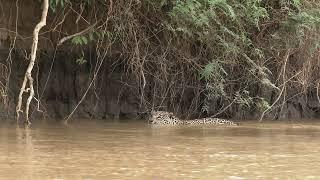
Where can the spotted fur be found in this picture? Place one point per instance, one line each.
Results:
(162, 118)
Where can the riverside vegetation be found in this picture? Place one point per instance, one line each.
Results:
(223, 58)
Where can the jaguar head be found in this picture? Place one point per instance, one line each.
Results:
(159, 117)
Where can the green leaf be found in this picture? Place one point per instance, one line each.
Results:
(81, 61)
(84, 40)
(76, 40)
(91, 37)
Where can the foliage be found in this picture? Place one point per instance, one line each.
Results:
(225, 28)
(54, 4)
(79, 40)
(81, 60)
(299, 24)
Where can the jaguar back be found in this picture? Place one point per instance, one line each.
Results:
(163, 118)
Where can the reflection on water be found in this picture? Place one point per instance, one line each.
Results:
(99, 150)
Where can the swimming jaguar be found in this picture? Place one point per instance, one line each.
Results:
(163, 118)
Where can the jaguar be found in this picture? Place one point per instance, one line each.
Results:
(163, 118)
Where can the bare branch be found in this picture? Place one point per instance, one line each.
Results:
(76, 34)
(28, 74)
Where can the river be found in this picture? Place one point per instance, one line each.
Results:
(98, 150)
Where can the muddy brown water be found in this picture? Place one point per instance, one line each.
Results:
(98, 150)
